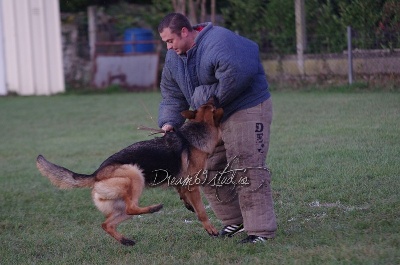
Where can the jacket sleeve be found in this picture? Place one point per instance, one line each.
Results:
(172, 103)
(234, 68)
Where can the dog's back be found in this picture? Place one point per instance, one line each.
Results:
(152, 156)
(162, 156)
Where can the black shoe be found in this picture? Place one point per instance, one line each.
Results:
(254, 239)
(231, 230)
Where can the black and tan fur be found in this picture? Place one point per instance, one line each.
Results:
(119, 181)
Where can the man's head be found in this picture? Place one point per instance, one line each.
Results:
(176, 31)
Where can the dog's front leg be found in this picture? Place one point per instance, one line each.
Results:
(181, 191)
(193, 195)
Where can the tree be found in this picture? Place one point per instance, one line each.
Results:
(326, 32)
(81, 5)
(363, 16)
(271, 23)
(280, 26)
(197, 9)
(247, 18)
(389, 25)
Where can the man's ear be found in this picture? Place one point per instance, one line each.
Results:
(218, 113)
(184, 32)
(189, 114)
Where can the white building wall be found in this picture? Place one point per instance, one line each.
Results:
(54, 46)
(32, 46)
(3, 89)
(9, 45)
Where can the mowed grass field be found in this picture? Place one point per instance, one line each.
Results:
(335, 159)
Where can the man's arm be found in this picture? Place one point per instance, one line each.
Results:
(172, 104)
(235, 69)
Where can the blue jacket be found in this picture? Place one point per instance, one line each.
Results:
(221, 64)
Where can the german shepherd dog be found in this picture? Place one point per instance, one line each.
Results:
(119, 181)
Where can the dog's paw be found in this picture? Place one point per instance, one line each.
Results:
(156, 208)
(213, 233)
(211, 230)
(127, 242)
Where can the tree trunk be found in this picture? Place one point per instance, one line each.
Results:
(179, 6)
(213, 11)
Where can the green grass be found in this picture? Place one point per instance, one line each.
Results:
(335, 159)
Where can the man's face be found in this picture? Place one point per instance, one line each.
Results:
(180, 44)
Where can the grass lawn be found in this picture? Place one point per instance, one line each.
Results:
(335, 159)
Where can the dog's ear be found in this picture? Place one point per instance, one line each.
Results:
(189, 114)
(218, 113)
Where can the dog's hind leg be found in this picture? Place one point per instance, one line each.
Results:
(132, 203)
(133, 208)
(110, 226)
(114, 210)
(117, 194)
(131, 197)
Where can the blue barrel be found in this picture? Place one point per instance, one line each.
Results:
(138, 34)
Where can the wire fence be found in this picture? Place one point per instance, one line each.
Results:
(374, 56)
(344, 57)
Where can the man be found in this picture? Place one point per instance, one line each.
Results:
(208, 61)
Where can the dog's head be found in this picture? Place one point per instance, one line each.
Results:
(207, 113)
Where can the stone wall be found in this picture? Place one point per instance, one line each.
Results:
(329, 66)
(77, 69)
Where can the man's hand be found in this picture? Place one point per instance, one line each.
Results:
(167, 128)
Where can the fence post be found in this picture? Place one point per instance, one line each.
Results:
(349, 55)
(92, 11)
(300, 34)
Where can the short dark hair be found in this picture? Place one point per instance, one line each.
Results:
(175, 22)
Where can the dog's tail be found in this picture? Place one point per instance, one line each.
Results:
(62, 177)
